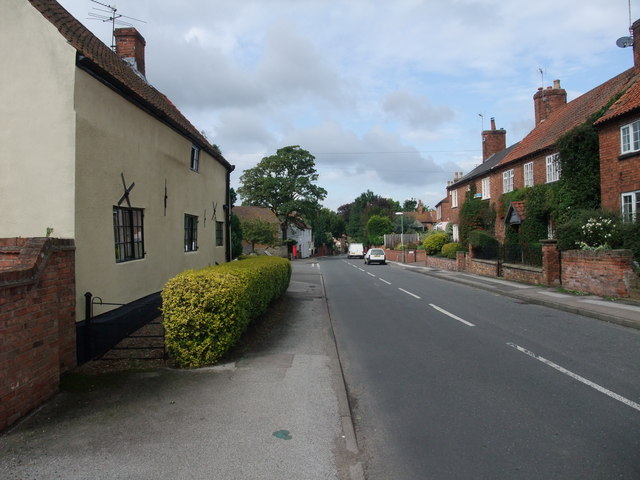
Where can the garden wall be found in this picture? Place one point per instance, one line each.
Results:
(607, 273)
(37, 321)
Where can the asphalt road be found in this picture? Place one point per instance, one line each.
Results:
(451, 382)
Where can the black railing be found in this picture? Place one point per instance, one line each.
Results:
(528, 254)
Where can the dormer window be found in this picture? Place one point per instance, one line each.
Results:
(630, 137)
(195, 158)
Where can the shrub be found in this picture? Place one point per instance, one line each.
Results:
(574, 232)
(630, 238)
(480, 239)
(206, 311)
(449, 249)
(434, 242)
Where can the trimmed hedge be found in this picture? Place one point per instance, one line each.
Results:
(449, 249)
(433, 243)
(206, 311)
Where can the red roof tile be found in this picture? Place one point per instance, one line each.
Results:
(569, 116)
(246, 213)
(629, 101)
(100, 59)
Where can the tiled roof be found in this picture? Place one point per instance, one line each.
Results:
(484, 167)
(245, 213)
(569, 116)
(105, 63)
(629, 101)
(428, 216)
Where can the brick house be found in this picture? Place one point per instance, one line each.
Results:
(534, 160)
(619, 134)
(91, 152)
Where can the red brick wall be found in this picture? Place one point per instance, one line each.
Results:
(617, 175)
(37, 322)
(522, 273)
(603, 272)
(441, 263)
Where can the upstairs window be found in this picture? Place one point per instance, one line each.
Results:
(507, 181)
(528, 174)
(630, 137)
(630, 206)
(190, 233)
(486, 188)
(195, 158)
(128, 231)
(454, 198)
(553, 168)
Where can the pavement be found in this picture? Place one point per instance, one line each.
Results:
(275, 408)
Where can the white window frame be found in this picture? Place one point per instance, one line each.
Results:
(486, 188)
(454, 198)
(439, 212)
(630, 205)
(507, 181)
(630, 137)
(528, 174)
(455, 232)
(553, 168)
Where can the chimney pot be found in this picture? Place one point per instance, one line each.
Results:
(493, 123)
(556, 84)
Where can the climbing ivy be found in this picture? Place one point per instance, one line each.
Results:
(476, 214)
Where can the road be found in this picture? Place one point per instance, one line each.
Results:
(451, 382)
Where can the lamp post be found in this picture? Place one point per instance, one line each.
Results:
(402, 234)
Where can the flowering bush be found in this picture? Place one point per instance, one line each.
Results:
(597, 234)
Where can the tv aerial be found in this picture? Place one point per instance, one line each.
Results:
(113, 17)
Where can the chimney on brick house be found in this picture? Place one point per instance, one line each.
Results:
(635, 33)
(493, 141)
(546, 101)
(130, 47)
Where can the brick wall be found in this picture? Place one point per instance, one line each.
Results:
(37, 322)
(522, 273)
(604, 272)
(441, 263)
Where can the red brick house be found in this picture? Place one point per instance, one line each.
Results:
(535, 160)
(619, 133)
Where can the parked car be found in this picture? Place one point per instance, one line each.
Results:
(356, 250)
(375, 255)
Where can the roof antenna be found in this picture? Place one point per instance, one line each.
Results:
(541, 76)
(481, 120)
(624, 42)
(113, 17)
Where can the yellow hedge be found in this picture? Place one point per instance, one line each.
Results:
(206, 311)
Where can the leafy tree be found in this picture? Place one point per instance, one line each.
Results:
(259, 231)
(326, 225)
(284, 183)
(236, 236)
(356, 215)
(377, 227)
(410, 205)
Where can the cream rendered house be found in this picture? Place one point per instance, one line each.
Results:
(89, 150)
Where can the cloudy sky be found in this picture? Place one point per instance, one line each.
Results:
(389, 96)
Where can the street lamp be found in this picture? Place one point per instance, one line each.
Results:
(402, 234)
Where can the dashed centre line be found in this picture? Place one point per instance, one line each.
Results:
(384, 281)
(575, 376)
(409, 293)
(449, 314)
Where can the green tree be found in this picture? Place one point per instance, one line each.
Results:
(410, 205)
(377, 227)
(356, 215)
(259, 231)
(284, 183)
(326, 225)
(236, 236)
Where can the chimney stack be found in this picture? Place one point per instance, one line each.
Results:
(546, 101)
(635, 33)
(493, 141)
(130, 47)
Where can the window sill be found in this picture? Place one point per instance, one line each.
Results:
(626, 156)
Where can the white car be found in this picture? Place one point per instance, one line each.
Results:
(375, 255)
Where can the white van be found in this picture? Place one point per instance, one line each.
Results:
(356, 250)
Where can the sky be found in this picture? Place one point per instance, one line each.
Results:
(389, 96)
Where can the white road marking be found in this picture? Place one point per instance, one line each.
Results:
(383, 280)
(409, 293)
(361, 269)
(597, 387)
(449, 314)
(370, 274)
